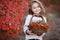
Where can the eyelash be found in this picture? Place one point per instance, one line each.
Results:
(35, 7)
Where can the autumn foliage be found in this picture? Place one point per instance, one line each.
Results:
(11, 16)
(12, 12)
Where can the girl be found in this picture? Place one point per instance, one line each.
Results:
(35, 9)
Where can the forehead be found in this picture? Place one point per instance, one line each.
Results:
(35, 4)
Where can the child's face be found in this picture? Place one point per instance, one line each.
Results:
(36, 8)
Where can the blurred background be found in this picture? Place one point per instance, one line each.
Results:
(20, 9)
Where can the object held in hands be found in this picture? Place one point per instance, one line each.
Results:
(38, 27)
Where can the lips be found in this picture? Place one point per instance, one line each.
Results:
(37, 11)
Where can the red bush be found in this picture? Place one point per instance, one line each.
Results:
(11, 16)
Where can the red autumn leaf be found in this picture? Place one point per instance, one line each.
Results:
(33, 24)
(45, 26)
(48, 25)
(4, 27)
(14, 12)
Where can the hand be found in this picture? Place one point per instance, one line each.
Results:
(29, 32)
(40, 33)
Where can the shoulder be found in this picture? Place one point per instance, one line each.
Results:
(28, 19)
(29, 16)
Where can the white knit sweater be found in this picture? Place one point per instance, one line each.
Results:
(25, 27)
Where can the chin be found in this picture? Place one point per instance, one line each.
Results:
(37, 13)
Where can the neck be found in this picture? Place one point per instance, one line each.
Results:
(38, 15)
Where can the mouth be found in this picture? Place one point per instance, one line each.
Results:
(37, 11)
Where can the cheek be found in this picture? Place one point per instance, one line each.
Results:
(39, 9)
(33, 10)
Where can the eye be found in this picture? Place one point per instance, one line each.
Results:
(38, 6)
(34, 7)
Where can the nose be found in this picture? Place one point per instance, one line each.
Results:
(37, 9)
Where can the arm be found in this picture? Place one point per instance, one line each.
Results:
(25, 27)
